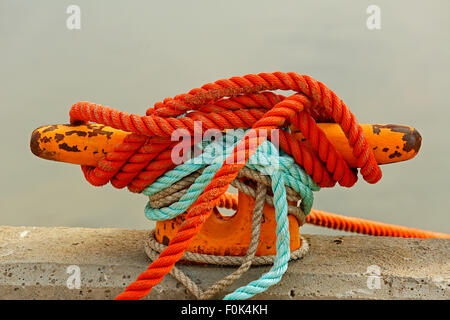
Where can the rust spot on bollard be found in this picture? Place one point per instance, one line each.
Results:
(411, 136)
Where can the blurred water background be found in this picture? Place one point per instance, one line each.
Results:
(129, 55)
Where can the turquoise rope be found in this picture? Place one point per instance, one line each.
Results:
(273, 276)
(181, 171)
(267, 160)
(280, 264)
(294, 176)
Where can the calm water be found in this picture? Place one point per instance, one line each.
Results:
(132, 56)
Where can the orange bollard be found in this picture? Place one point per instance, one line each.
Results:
(220, 235)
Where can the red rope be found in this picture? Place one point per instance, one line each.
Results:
(159, 122)
(373, 228)
(238, 102)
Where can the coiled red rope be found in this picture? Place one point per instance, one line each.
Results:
(238, 102)
(133, 163)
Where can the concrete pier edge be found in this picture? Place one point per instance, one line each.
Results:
(44, 263)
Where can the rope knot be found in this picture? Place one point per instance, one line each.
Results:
(239, 102)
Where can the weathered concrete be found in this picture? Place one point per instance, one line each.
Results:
(34, 262)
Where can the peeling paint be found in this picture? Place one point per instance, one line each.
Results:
(77, 132)
(59, 137)
(411, 136)
(395, 154)
(50, 128)
(66, 147)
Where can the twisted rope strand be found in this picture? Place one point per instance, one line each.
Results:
(273, 276)
(369, 227)
(256, 228)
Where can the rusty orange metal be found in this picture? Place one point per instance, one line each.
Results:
(77, 144)
(221, 235)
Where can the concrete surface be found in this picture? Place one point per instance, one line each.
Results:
(37, 263)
